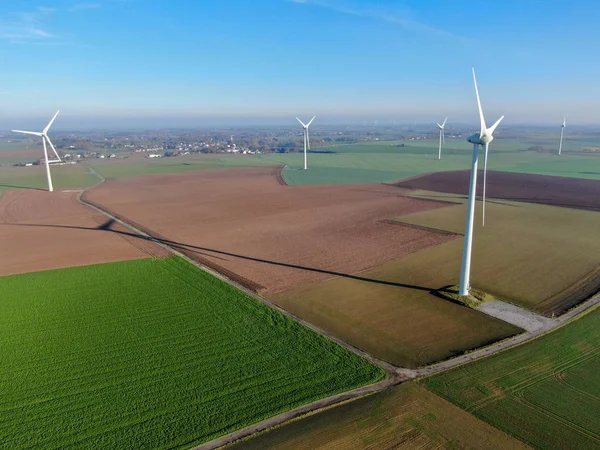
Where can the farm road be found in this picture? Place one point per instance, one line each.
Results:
(534, 324)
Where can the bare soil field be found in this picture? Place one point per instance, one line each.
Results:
(270, 237)
(42, 230)
(544, 189)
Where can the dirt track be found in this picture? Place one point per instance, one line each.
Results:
(548, 190)
(274, 237)
(42, 230)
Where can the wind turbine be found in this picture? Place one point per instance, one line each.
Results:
(44, 136)
(442, 137)
(562, 133)
(306, 139)
(483, 138)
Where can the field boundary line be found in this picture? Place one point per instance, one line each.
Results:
(305, 410)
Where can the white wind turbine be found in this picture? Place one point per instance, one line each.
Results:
(442, 137)
(562, 133)
(483, 138)
(44, 136)
(306, 139)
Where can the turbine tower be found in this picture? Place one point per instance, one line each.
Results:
(562, 133)
(483, 138)
(45, 138)
(306, 139)
(442, 137)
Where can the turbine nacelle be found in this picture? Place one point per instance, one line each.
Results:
(477, 139)
(306, 125)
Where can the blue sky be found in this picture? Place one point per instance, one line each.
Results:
(404, 60)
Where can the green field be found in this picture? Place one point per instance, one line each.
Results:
(385, 161)
(546, 393)
(407, 416)
(67, 176)
(533, 255)
(151, 354)
(372, 162)
(136, 166)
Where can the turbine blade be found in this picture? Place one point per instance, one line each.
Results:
(441, 127)
(443, 137)
(27, 132)
(307, 139)
(493, 127)
(444, 124)
(481, 118)
(301, 123)
(51, 146)
(565, 122)
(485, 160)
(51, 122)
(308, 124)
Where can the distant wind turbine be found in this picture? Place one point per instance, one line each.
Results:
(45, 138)
(562, 133)
(306, 139)
(483, 138)
(442, 137)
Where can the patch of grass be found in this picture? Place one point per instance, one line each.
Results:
(151, 354)
(407, 416)
(546, 392)
(67, 176)
(473, 300)
(528, 254)
(404, 324)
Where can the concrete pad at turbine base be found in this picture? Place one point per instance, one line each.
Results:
(532, 322)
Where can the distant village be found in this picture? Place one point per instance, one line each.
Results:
(75, 147)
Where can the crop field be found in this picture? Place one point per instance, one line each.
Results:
(372, 162)
(242, 221)
(286, 239)
(391, 313)
(67, 176)
(407, 416)
(546, 392)
(139, 165)
(385, 161)
(42, 230)
(521, 244)
(163, 355)
(548, 190)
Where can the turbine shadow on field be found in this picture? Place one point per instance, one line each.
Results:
(21, 187)
(212, 253)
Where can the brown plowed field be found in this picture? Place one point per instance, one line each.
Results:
(42, 230)
(274, 237)
(521, 187)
